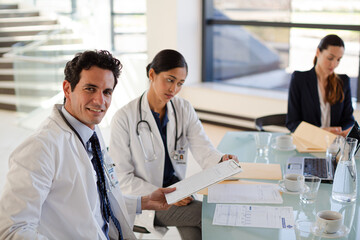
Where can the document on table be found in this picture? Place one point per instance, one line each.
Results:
(310, 138)
(252, 170)
(201, 180)
(244, 193)
(253, 216)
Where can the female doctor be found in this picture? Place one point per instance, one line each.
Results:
(150, 140)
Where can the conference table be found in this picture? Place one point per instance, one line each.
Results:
(242, 144)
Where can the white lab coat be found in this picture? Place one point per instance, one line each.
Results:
(51, 190)
(139, 177)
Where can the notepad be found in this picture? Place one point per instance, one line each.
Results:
(202, 180)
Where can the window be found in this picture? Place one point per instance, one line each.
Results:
(259, 43)
(128, 26)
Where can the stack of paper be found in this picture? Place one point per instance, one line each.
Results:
(244, 193)
(259, 171)
(310, 138)
(254, 216)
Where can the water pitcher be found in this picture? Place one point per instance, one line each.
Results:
(345, 182)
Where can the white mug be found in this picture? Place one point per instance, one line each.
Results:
(328, 221)
(284, 142)
(293, 182)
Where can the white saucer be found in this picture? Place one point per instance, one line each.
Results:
(283, 149)
(284, 190)
(343, 231)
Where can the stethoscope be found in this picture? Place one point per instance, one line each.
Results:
(152, 156)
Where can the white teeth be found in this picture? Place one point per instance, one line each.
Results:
(95, 110)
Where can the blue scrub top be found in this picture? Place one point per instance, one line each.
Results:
(169, 169)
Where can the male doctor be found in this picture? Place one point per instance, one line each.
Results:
(61, 183)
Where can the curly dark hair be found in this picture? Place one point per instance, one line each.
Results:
(85, 60)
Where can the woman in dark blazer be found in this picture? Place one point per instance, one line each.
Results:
(320, 96)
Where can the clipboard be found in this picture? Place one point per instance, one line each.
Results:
(203, 179)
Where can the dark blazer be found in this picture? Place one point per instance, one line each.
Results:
(304, 103)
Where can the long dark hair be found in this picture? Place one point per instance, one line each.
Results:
(334, 89)
(166, 60)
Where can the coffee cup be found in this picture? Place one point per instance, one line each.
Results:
(293, 182)
(284, 142)
(328, 221)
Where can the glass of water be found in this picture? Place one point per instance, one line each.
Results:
(310, 189)
(262, 141)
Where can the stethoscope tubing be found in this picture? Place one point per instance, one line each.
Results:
(144, 121)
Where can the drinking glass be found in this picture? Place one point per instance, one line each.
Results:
(310, 189)
(303, 230)
(262, 141)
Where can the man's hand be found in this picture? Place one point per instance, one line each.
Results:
(227, 157)
(184, 202)
(156, 200)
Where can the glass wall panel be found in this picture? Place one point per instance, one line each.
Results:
(131, 43)
(326, 12)
(126, 6)
(130, 24)
(259, 43)
(295, 11)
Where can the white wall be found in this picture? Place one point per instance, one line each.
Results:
(176, 24)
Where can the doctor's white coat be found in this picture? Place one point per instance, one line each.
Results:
(51, 190)
(138, 176)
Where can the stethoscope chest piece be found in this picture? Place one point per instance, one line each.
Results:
(150, 155)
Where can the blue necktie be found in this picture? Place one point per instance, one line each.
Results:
(97, 162)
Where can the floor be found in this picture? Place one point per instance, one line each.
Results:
(12, 134)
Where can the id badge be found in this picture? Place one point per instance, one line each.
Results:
(179, 156)
(109, 168)
(111, 172)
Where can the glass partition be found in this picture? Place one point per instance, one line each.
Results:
(38, 73)
(259, 43)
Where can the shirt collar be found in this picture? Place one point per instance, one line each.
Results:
(84, 131)
(165, 119)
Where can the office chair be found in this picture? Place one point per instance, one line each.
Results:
(275, 120)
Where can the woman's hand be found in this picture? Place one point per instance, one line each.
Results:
(345, 132)
(338, 131)
(334, 130)
(184, 202)
(227, 157)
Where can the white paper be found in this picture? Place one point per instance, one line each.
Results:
(244, 193)
(253, 216)
(202, 180)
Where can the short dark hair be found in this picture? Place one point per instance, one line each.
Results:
(85, 60)
(165, 60)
